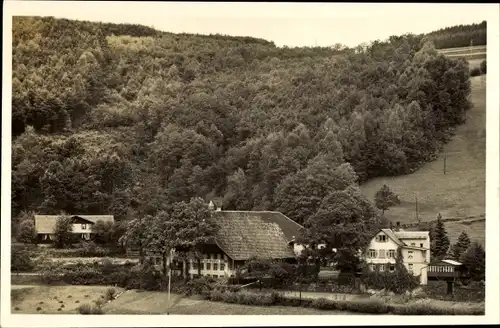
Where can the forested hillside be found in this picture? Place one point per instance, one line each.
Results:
(459, 36)
(126, 120)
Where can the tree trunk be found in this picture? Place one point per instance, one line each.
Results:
(184, 269)
(165, 263)
(141, 255)
(199, 266)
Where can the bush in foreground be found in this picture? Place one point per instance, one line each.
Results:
(90, 309)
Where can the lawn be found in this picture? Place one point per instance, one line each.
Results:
(144, 302)
(458, 193)
(26, 299)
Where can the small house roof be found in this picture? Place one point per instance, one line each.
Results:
(46, 223)
(452, 262)
(245, 234)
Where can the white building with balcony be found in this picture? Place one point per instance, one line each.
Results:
(415, 250)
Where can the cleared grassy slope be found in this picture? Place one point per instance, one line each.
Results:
(458, 193)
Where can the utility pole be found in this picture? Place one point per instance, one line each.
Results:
(444, 164)
(416, 207)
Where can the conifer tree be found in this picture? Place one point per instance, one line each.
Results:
(461, 246)
(440, 242)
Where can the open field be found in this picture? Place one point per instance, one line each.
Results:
(26, 299)
(458, 193)
(475, 55)
(463, 50)
(136, 302)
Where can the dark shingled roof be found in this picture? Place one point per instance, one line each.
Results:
(245, 234)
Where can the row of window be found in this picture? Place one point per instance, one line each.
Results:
(210, 266)
(435, 268)
(386, 253)
(391, 267)
(382, 253)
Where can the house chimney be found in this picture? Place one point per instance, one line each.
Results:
(391, 225)
(398, 225)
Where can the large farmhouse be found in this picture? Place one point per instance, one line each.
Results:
(415, 250)
(82, 225)
(240, 236)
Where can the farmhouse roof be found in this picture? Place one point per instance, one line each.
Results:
(245, 234)
(46, 223)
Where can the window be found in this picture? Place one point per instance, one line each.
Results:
(410, 254)
(209, 266)
(381, 253)
(422, 245)
(372, 267)
(392, 253)
(84, 226)
(381, 268)
(215, 276)
(218, 256)
(195, 265)
(222, 266)
(381, 238)
(392, 267)
(410, 267)
(413, 244)
(216, 267)
(372, 253)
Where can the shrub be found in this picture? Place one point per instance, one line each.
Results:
(21, 262)
(17, 308)
(77, 301)
(200, 286)
(59, 309)
(483, 66)
(429, 309)
(90, 309)
(476, 71)
(110, 294)
(38, 308)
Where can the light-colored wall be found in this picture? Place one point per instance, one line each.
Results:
(213, 259)
(389, 244)
(77, 228)
(419, 261)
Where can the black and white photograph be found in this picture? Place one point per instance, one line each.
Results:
(205, 164)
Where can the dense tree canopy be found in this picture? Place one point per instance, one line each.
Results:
(126, 120)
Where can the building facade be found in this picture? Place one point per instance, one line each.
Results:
(81, 225)
(240, 236)
(383, 249)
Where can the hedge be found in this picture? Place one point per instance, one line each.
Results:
(361, 306)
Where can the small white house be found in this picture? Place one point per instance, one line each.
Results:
(82, 225)
(415, 249)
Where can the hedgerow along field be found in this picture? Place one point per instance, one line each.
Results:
(458, 193)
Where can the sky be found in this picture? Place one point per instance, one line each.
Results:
(290, 24)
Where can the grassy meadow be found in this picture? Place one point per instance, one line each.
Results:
(458, 193)
(37, 299)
